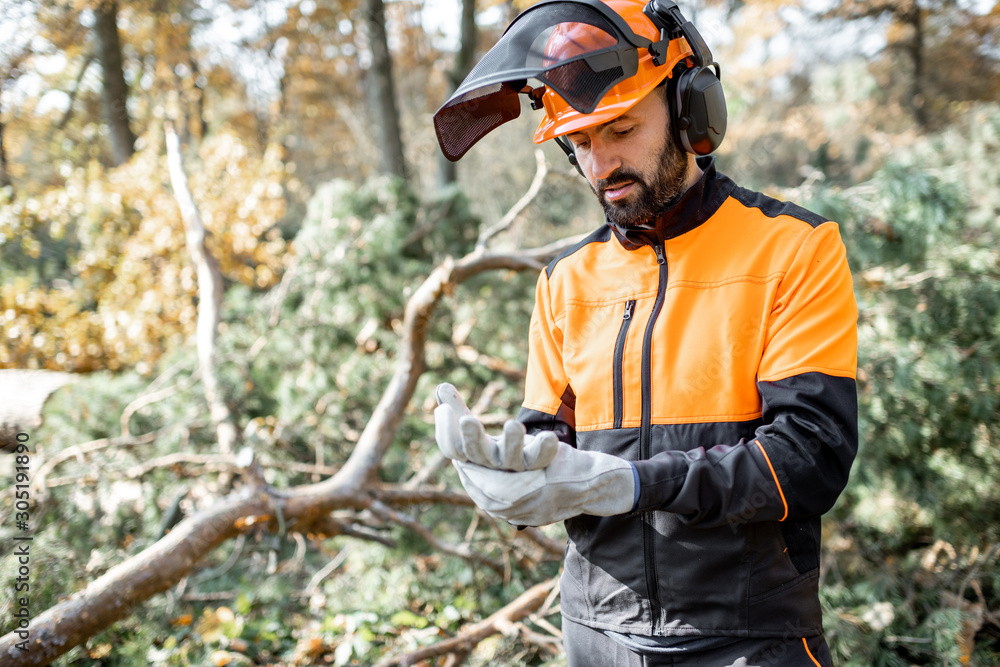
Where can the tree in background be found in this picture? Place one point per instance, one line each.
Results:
(938, 53)
(115, 90)
(382, 91)
(913, 571)
(344, 539)
(464, 60)
(15, 50)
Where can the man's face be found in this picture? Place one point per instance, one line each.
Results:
(632, 163)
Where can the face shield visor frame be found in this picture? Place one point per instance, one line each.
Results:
(488, 97)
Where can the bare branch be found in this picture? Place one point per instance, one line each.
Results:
(552, 548)
(429, 470)
(470, 355)
(210, 289)
(207, 463)
(87, 62)
(39, 483)
(391, 495)
(331, 527)
(423, 531)
(501, 621)
(550, 643)
(280, 293)
(325, 571)
(144, 400)
(234, 555)
(541, 171)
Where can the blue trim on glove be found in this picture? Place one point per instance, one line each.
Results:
(635, 476)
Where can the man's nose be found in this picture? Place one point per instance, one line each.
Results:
(604, 160)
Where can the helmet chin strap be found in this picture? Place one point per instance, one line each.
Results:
(535, 97)
(567, 148)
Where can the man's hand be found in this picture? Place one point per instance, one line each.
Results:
(461, 437)
(574, 483)
(529, 480)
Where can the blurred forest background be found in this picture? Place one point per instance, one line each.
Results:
(230, 221)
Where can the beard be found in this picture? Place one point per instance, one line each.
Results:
(651, 194)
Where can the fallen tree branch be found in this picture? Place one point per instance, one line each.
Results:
(429, 470)
(394, 495)
(325, 571)
(330, 527)
(549, 643)
(381, 428)
(470, 355)
(423, 531)
(39, 483)
(113, 595)
(208, 463)
(501, 621)
(552, 548)
(163, 564)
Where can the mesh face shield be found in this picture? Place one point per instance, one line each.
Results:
(580, 50)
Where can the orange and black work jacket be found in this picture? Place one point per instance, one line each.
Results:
(718, 354)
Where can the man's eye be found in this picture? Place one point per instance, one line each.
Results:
(623, 133)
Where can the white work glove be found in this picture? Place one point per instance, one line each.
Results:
(461, 437)
(539, 480)
(574, 483)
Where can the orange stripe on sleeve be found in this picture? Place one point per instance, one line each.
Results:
(775, 475)
(808, 652)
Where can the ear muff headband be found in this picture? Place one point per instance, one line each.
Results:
(698, 104)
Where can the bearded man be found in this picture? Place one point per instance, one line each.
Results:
(690, 407)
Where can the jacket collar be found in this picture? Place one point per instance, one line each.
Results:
(695, 206)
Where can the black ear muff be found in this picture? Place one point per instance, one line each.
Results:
(699, 110)
(698, 104)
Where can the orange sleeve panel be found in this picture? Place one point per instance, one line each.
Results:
(546, 380)
(813, 321)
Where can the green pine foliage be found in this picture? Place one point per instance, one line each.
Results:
(304, 366)
(911, 568)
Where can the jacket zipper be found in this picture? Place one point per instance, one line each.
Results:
(645, 435)
(619, 388)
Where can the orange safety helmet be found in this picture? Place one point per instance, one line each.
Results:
(594, 61)
(573, 39)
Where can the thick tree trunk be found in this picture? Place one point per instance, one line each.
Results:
(447, 170)
(115, 90)
(4, 173)
(915, 18)
(382, 92)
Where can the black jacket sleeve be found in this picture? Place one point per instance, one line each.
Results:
(796, 466)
